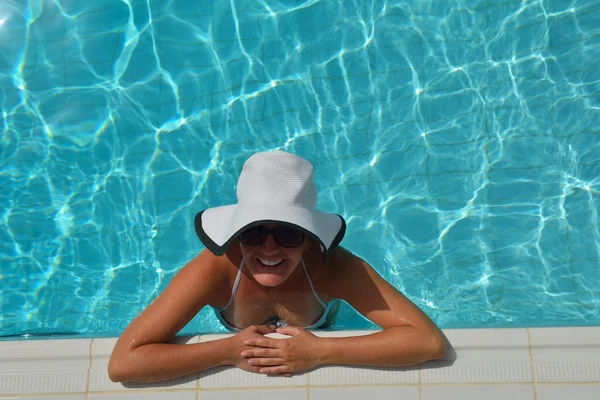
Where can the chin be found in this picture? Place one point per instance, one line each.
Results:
(269, 281)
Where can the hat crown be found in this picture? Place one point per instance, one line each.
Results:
(277, 178)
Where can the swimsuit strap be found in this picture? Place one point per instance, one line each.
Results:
(235, 286)
(311, 284)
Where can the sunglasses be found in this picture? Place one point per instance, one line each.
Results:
(283, 236)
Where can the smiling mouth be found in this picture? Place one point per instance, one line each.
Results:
(270, 263)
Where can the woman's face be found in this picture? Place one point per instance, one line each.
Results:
(269, 263)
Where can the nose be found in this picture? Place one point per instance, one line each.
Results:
(269, 247)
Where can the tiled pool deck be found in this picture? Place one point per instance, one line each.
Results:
(490, 364)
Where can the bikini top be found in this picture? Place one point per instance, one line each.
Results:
(278, 322)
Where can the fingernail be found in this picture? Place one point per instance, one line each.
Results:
(247, 342)
(244, 354)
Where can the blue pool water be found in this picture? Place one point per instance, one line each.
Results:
(459, 139)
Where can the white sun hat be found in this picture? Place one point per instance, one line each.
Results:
(274, 187)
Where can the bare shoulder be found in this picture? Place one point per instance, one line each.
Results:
(199, 283)
(202, 276)
(329, 273)
(342, 261)
(355, 281)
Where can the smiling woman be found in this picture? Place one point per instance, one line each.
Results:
(295, 275)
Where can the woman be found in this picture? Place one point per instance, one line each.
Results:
(272, 264)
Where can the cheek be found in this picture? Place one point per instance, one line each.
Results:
(295, 254)
(245, 250)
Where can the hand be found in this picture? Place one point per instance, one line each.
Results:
(283, 356)
(238, 346)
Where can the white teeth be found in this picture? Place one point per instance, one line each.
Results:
(270, 263)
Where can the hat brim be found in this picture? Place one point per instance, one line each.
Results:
(218, 227)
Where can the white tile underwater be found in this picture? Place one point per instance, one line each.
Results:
(495, 392)
(566, 354)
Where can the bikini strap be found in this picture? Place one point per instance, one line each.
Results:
(235, 286)
(311, 284)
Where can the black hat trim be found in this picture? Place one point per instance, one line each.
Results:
(220, 250)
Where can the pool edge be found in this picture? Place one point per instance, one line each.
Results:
(521, 359)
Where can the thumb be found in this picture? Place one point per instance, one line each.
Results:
(290, 330)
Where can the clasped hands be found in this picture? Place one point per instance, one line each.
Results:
(257, 353)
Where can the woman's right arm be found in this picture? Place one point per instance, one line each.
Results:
(143, 354)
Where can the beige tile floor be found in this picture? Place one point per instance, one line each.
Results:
(490, 364)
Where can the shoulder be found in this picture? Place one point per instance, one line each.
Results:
(205, 273)
(205, 265)
(342, 262)
(338, 273)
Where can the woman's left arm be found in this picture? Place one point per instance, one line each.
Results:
(408, 337)
(394, 346)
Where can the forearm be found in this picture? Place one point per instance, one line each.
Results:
(163, 361)
(398, 346)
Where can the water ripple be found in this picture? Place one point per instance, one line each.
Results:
(459, 139)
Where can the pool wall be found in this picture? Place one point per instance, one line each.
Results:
(495, 364)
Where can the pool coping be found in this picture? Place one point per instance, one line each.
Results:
(525, 357)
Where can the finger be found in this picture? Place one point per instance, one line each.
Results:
(290, 330)
(285, 374)
(264, 329)
(256, 342)
(265, 361)
(254, 368)
(259, 352)
(275, 370)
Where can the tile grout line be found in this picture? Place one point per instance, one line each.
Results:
(533, 372)
(308, 385)
(240, 388)
(89, 372)
(478, 384)
(420, 381)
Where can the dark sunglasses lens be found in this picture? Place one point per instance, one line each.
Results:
(288, 237)
(254, 236)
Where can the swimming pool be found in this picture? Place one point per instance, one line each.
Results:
(459, 139)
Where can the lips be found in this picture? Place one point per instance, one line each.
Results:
(267, 263)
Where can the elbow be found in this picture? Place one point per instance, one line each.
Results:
(430, 342)
(114, 375)
(436, 346)
(116, 372)
(119, 369)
